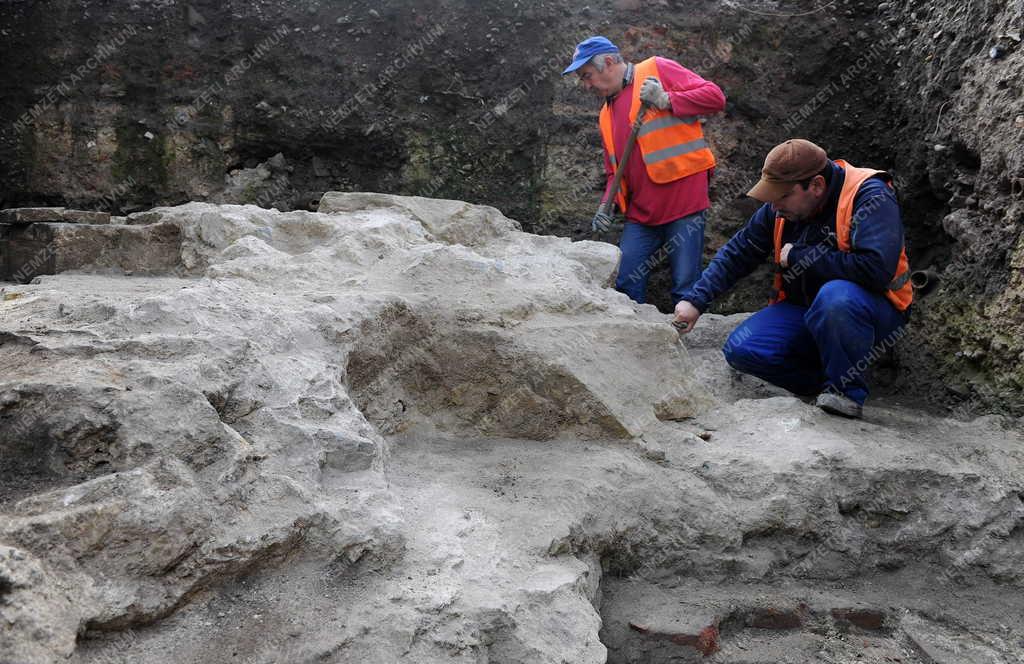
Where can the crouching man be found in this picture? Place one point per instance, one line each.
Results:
(842, 287)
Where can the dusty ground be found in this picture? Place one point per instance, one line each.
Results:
(484, 517)
(402, 430)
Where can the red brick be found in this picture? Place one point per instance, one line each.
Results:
(705, 641)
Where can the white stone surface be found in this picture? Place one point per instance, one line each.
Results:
(400, 429)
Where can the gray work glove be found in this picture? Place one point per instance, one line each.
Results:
(601, 222)
(655, 95)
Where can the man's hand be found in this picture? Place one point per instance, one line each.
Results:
(601, 222)
(784, 254)
(686, 317)
(655, 95)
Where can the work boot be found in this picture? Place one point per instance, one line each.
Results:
(837, 404)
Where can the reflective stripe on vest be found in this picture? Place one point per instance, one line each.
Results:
(665, 121)
(672, 148)
(900, 291)
(900, 281)
(674, 151)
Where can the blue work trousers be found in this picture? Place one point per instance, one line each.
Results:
(681, 241)
(824, 347)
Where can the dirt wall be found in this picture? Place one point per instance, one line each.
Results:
(120, 107)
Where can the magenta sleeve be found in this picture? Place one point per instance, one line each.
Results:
(690, 94)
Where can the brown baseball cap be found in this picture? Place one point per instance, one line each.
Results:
(788, 163)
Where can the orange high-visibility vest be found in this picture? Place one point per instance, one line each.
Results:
(672, 147)
(900, 291)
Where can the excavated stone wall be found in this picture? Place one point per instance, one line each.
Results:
(400, 429)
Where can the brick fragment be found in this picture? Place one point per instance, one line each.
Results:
(704, 641)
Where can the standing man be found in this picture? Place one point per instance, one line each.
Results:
(842, 289)
(664, 191)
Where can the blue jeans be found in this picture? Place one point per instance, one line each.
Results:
(643, 246)
(824, 347)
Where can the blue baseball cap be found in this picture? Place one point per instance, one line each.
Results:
(587, 49)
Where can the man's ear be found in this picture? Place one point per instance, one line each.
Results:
(820, 186)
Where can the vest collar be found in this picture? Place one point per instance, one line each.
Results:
(627, 78)
(834, 189)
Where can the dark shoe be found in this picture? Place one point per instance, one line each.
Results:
(837, 404)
